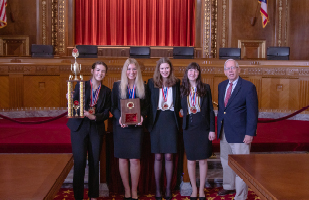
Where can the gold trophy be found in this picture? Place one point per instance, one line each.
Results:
(78, 104)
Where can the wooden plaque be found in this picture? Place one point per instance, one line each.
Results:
(130, 111)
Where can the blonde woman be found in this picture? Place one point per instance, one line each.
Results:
(128, 138)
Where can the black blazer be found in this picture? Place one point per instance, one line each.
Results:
(101, 111)
(207, 110)
(153, 94)
(240, 116)
(116, 106)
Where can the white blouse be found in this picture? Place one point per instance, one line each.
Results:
(169, 99)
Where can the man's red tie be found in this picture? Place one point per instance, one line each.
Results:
(228, 94)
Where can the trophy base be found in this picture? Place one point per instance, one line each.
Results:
(75, 117)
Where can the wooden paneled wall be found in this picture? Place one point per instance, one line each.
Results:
(26, 82)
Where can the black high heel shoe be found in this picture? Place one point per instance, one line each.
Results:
(193, 198)
(127, 198)
(202, 198)
(158, 198)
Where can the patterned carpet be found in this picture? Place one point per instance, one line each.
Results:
(211, 194)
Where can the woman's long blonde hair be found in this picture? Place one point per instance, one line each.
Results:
(139, 83)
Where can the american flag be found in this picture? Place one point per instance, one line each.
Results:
(263, 11)
(3, 20)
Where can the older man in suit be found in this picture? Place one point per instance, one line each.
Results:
(237, 124)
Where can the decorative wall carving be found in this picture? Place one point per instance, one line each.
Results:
(54, 33)
(14, 45)
(214, 22)
(224, 18)
(61, 25)
(44, 25)
(280, 23)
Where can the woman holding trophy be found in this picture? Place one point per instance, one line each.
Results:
(198, 125)
(87, 133)
(163, 118)
(128, 138)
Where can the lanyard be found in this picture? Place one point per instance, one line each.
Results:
(131, 92)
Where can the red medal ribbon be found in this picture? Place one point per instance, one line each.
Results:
(165, 93)
(94, 95)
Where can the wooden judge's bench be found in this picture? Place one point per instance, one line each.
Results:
(34, 82)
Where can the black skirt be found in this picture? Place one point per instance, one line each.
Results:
(195, 137)
(164, 135)
(127, 141)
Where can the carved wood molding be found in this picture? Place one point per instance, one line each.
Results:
(282, 9)
(58, 26)
(224, 23)
(11, 42)
(209, 28)
(44, 22)
(258, 48)
(115, 68)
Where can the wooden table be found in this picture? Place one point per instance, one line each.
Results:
(274, 176)
(33, 176)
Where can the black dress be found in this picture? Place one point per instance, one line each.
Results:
(127, 141)
(196, 128)
(163, 125)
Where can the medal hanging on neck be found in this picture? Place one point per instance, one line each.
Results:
(131, 92)
(93, 98)
(165, 95)
(192, 97)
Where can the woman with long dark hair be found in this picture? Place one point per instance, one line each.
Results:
(87, 133)
(198, 125)
(163, 118)
(128, 138)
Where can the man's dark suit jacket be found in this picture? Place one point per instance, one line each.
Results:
(240, 116)
(154, 94)
(101, 111)
(206, 110)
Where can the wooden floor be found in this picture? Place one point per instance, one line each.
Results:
(33, 176)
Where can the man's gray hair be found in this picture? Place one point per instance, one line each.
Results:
(236, 63)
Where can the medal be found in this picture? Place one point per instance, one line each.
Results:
(192, 97)
(165, 105)
(193, 110)
(91, 110)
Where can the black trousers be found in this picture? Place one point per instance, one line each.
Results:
(86, 139)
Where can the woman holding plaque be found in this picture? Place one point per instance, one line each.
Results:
(163, 118)
(128, 138)
(198, 125)
(87, 133)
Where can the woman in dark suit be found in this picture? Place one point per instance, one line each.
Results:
(128, 138)
(198, 125)
(163, 118)
(87, 133)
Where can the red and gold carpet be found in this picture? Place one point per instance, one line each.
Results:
(211, 194)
